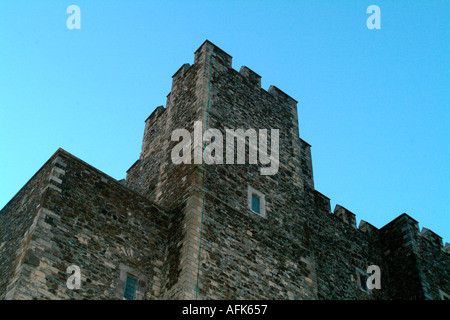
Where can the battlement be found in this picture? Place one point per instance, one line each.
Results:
(431, 236)
(223, 61)
(366, 227)
(155, 114)
(207, 50)
(410, 231)
(251, 76)
(182, 70)
(322, 202)
(345, 215)
(279, 94)
(403, 224)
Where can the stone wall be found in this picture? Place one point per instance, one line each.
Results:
(174, 226)
(299, 250)
(419, 266)
(90, 220)
(175, 187)
(17, 223)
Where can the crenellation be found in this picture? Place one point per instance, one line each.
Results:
(431, 236)
(403, 224)
(368, 228)
(281, 95)
(207, 50)
(345, 215)
(251, 76)
(180, 72)
(322, 202)
(155, 115)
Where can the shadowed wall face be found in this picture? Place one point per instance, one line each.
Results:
(89, 220)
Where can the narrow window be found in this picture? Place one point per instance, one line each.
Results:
(256, 203)
(363, 282)
(130, 289)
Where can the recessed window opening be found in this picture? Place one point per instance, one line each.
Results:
(130, 288)
(363, 282)
(256, 203)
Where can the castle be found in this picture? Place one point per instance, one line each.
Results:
(216, 231)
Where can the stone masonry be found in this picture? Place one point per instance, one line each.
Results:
(186, 231)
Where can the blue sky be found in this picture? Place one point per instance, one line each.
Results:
(374, 104)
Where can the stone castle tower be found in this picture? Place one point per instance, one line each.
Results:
(216, 231)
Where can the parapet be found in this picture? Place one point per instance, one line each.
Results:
(222, 61)
(431, 236)
(402, 223)
(447, 247)
(180, 72)
(251, 76)
(155, 114)
(345, 215)
(281, 95)
(178, 77)
(208, 49)
(409, 228)
(403, 227)
(305, 144)
(322, 202)
(366, 227)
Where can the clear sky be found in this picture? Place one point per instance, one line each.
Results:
(374, 104)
